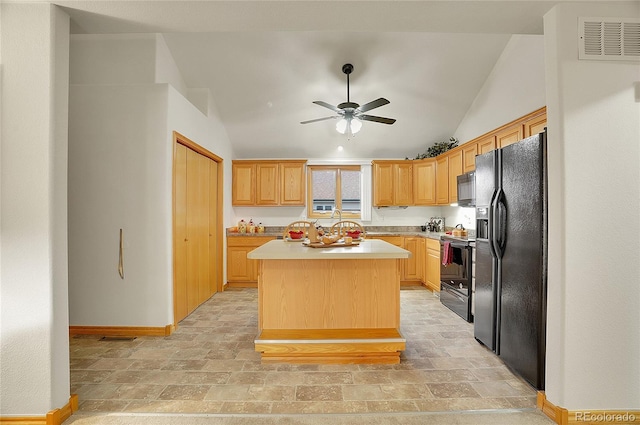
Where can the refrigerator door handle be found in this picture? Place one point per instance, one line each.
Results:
(499, 217)
(491, 230)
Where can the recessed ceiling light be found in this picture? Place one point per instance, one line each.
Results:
(340, 148)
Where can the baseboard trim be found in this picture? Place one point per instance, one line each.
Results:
(232, 285)
(122, 330)
(562, 416)
(54, 417)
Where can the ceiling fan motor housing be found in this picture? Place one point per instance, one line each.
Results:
(347, 68)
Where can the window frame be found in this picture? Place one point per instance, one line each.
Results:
(311, 212)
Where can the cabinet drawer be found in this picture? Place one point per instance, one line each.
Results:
(248, 240)
(433, 244)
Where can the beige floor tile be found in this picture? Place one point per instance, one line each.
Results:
(245, 406)
(319, 393)
(453, 390)
(184, 392)
(392, 406)
(362, 392)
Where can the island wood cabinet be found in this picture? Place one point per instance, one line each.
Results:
(424, 182)
(392, 183)
(268, 183)
(242, 271)
(432, 265)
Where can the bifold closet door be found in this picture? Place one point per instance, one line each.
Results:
(195, 232)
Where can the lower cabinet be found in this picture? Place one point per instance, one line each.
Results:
(414, 265)
(432, 265)
(242, 271)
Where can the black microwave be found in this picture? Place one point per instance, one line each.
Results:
(467, 189)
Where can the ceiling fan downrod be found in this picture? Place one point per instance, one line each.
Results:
(347, 68)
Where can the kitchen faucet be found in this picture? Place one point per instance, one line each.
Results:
(335, 210)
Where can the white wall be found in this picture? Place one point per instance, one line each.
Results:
(33, 318)
(515, 87)
(119, 178)
(120, 169)
(593, 350)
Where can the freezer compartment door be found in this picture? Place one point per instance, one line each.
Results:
(484, 327)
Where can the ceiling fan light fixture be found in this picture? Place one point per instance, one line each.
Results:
(356, 125)
(341, 126)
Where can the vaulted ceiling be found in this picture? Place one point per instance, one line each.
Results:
(265, 62)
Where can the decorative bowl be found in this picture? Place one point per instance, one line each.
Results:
(296, 234)
(355, 234)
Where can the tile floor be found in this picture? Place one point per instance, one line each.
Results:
(209, 366)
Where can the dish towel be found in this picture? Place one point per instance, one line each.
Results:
(447, 254)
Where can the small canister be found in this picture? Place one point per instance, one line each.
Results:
(260, 228)
(242, 226)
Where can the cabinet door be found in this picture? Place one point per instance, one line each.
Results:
(442, 180)
(486, 144)
(267, 189)
(292, 184)
(424, 182)
(432, 272)
(469, 152)
(412, 269)
(535, 125)
(383, 184)
(239, 267)
(510, 135)
(243, 183)
(455, 169)
(403, 184)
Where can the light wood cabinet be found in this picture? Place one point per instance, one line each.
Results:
(432, 265)
(268, 183)
(442, 180)
(455, 169)
(242, 271)
(414, 265)
(469, 152)
(424, 182)
(292, 183)
(535, 125)
(244, 182)
(486, 144)
(392, 183)
(510, 135)
(267, 189)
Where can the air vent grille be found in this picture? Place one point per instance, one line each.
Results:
(609, 39)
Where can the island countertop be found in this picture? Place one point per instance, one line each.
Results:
(366, 249)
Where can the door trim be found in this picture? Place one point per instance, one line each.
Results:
(190, 144)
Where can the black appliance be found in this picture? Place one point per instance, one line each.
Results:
(511, 255)
(467, 189)
(455, 275)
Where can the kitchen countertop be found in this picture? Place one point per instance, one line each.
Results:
(366, 249)
(277, 231)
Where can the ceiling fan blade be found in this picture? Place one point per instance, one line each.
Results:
(326, 105)
(377, 119)
(320, 119)
(373, 104)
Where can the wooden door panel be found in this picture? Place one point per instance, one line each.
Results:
(214, 274)
(442, 180)
(469, 152)
(424, 183)
(383, 184)
(403, 184)
(181, 309)
(203, 228)
(244, 180)
(292, 184)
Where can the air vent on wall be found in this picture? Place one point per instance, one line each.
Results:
(609, 39)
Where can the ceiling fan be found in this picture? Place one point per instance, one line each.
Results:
(350, 113)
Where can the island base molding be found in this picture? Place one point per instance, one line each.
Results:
(54, 417)
(330, 346)
(562, 416)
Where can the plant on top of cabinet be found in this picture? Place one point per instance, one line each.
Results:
(438, 148)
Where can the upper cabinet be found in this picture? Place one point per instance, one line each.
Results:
(510, 135)
(469, 152)
(486, 144)
(268, 183)
(442, 179)
(455, 169)
(392, 183)
(424, 182)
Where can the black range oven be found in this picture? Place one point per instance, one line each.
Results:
(455, 275)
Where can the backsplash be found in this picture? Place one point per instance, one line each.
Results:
(410, 216)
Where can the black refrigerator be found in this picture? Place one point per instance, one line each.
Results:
(511, 255)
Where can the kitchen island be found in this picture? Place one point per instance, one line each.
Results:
(330, 304)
